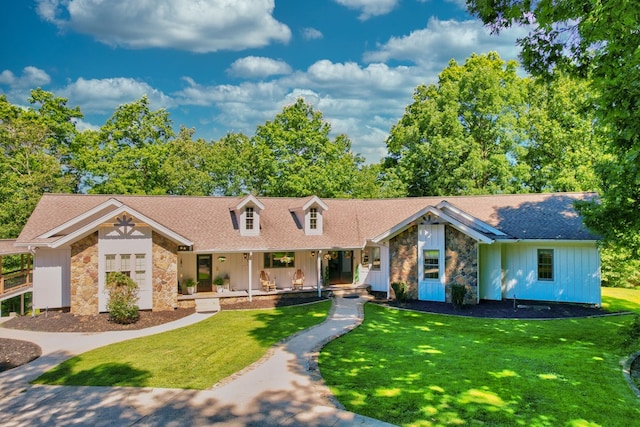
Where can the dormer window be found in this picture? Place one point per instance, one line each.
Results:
(313, 211)
(249, 210)
(313, 218)
(248, 217)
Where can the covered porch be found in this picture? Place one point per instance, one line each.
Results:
(243, 273)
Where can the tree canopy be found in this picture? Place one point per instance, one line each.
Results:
(600, 42)
(482, 129)
(296, 157)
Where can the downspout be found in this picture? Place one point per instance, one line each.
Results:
(250, 275)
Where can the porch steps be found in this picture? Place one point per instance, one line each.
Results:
(348, 290)
(207, 305)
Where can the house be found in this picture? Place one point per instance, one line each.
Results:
(526, 246)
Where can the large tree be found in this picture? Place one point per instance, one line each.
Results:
(599, 41)
(484, 129)
(457, 135)
(29, 165)
(129, 150)
(295, 156)
(60, 121)
(561, 145)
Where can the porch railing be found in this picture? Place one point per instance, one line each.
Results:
(17, 279)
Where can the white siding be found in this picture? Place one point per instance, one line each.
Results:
(576, 274)
(52, 278)
(377, 279)
(431, 237)
(137, 242)
(490, 272)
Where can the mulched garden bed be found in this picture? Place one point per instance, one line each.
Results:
(504, 309)
(16, 352)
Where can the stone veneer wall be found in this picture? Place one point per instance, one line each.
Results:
(403, 254)
(84, 276)
(164, 273)
(461, 264)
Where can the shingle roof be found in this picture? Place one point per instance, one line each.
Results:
(7, 247)
(348, 223)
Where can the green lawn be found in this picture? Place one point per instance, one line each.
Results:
(195, 357)
(419, 369)
(621, 299)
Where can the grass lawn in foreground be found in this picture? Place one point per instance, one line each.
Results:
(420, 369)
(195, 356)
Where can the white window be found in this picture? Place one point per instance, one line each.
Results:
(431, 263)
(313, 218)
(110, 263)
(123, 264)
(140, 265)
(248, 218)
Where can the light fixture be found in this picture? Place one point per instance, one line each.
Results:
(245, 255)
(222, 259)
(313, 253)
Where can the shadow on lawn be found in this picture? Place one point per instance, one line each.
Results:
(105, 374)
(278, 324)
(410, 368)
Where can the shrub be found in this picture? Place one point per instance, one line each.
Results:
(122, 298)
(400, 289)
(457, 295)
(631, 333)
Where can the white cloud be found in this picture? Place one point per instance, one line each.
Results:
(441, 41)
(257, 66)
(31, 77)
(369, 8)
(104, 95)
(311, 34)
(202, 26)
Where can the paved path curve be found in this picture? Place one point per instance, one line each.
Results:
(282, 389)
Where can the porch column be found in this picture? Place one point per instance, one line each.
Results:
(386, 251)
(250, 274)
(319, 272)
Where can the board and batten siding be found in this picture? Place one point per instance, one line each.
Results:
(576, 272)
(112, 242)
(490, 280)
(52, 278)
(431, 236)
(378, 279)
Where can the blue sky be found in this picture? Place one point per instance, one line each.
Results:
(230, 65)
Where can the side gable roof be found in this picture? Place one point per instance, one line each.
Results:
(348, 223)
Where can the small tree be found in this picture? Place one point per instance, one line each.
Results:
(401, 291)
(123, 298)
(458, 293)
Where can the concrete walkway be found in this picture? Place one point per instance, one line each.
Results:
(282, 389)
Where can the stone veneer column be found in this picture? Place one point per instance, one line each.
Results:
(84, 276)
(164, 273)
(461, 264)
(403, 262)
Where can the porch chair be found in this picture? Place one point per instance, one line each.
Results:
(268, 285)
(297, 281)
